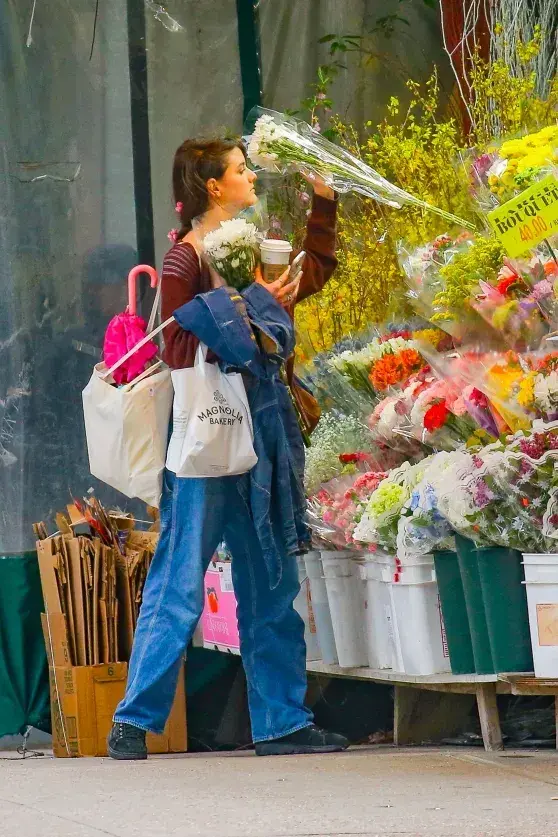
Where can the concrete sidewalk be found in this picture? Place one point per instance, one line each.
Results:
(366, 791)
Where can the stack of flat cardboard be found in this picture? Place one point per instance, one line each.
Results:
(92, 588)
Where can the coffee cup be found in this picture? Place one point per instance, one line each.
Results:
(276, 255)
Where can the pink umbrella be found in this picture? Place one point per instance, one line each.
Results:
(126, 330)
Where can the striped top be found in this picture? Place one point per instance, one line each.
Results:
(183, 278)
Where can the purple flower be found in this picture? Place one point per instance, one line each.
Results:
(543, 289)
(304, 197)
(482, 494)
(482, 164)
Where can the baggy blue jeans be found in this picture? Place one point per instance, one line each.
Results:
(196, 515)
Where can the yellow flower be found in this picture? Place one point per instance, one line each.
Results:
(526, 392)
(428, 335)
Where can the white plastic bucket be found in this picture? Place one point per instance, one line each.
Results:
(419, 627)
(320, 606)
(346, 605)
(541, 581)
(304, 606)
(377, 573)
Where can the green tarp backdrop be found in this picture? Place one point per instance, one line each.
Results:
(24, 693)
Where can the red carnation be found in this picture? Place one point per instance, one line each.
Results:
(436, 415)
(348, 458)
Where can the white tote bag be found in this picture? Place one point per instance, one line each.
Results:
(212, 426)
(127, 427)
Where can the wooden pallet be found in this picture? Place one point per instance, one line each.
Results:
(433, 707)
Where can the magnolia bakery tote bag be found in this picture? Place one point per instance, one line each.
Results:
(212, 426)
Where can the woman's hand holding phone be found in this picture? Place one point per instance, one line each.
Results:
(284, 289)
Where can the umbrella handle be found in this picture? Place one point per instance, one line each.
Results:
(132, 276)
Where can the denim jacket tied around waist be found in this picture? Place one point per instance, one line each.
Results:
(274, 488)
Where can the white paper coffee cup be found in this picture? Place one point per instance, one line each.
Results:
(276, 255)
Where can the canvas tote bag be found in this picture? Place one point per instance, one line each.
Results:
(212, 426)
(127, 427)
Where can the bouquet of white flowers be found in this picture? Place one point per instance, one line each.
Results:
(280, 142)
(233, 250)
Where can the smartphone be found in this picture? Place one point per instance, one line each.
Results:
(296, 265)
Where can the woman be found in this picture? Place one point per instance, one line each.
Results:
(260, 514)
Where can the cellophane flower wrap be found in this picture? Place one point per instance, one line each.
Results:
(442, 415)
(383, 510)
(280, 143)
(336, 509)
(422, 268)
(504, 170)
(528, 475)
(233, 250)
(337, 437)
(476, 505)
(512, 308)
(421, 527)
(498, 375)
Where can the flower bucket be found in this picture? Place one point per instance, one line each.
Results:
(474, 603)
(505, 603)
(304, 606)
(541, 582)
(320, 605)
(377, 572)
(419, 625)
(344, 593)
(454, 610)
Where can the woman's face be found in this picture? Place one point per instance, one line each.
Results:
(236, 186)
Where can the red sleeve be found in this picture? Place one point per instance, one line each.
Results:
(319, 245)
(180, 282)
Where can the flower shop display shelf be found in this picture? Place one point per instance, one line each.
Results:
(430, 708)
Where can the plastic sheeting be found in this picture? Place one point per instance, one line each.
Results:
(97, 101)
(68, 241)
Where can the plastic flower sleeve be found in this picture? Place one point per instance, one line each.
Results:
(539, 270)
(380, 519)
(445, 415)
(421, 527)
(528, 475)
(478, 505)
(431, 294)
(339, 443)
(500, 376)
(233, 247)
(335, 510)
(281, 143)
(504, 171)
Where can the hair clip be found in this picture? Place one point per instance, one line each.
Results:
(172, 235)
(179, 207)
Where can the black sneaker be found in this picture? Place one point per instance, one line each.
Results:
(126, 742)
(310, 739)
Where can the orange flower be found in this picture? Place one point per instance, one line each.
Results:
(387, 371)
(412, 360)
(393, 368)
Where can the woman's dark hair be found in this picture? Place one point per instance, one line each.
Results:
(196, 162)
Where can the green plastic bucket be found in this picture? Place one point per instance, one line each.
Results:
(474, 602)
(505, 604)
(454, 611)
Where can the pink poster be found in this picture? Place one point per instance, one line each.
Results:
(219, 624)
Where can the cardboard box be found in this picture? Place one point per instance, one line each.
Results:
(87, 602)
(83, 702)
